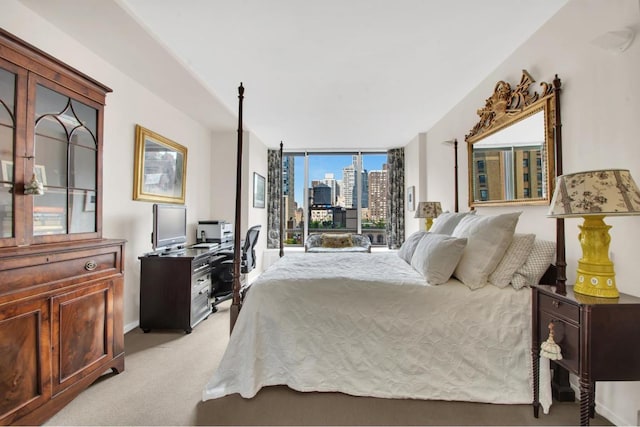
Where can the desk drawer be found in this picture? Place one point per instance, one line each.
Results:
(560, 308)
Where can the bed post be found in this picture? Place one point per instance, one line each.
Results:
(455, 167)
(235, 304)
(283, 217)
(561, 262)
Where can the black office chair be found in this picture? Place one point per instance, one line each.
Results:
(222, 275)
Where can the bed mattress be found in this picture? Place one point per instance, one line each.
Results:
(370, 325)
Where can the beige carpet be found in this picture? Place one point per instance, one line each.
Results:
(166, 372)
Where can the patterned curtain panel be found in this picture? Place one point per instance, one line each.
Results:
(274, 186)
(395, 198)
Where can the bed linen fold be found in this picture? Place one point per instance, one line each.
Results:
(370, 325)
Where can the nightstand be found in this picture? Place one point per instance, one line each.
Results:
(599, 339)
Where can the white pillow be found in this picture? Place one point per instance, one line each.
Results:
(409, 246)
(514, 258)
(488, 239)
(446, 222)
(436, 256)
(542, 255)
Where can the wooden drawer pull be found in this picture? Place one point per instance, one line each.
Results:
(90, 265)
(556, 303)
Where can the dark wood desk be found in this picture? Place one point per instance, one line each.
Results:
(599, 339)
(176, 287)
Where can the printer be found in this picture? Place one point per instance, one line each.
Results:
(214, 231)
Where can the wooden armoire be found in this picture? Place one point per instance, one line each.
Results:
(61, 282)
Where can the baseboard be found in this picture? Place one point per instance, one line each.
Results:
(600, 408)
(131, 326)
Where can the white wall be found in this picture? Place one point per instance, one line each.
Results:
(600, 108)
(128, 105)
(222, 192)
(415, 174)
(255, 161)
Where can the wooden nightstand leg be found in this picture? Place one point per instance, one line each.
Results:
(592, 399)
(585, 401)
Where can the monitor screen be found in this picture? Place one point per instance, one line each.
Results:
(169, 226)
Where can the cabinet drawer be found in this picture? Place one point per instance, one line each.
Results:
(560, 308)
(566, 335)
(58, 267)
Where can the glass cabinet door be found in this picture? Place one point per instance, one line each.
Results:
(65, 162)
(7, 138)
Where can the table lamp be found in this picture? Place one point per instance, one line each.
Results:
(429, 211)
(594, 195)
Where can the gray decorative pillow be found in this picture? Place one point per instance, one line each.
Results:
(446, 222)
(436, 256)
(542, 255)
(514, 258)
(409, 246)
(488, 239)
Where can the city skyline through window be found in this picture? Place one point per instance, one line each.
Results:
(338, 198)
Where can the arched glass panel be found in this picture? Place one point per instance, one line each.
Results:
(87, 116)
(66, 163)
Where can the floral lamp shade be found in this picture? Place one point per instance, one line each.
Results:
(594, 195)
(429, 211)
(601, 192)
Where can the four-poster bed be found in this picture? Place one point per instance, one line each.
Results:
(373, 325)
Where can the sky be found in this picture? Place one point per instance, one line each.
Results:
(319, 164)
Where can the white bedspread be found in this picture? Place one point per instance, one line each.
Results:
(370, 325)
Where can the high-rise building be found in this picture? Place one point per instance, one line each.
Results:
(331, 182)
(322, 195)
(377, 194)
(348, 185)
(364, 201)
(349, 190)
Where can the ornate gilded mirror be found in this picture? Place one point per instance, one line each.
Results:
(512, 148)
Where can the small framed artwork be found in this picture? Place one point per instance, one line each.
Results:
(89, 201)
(41, 173)
(411, 198)
(258, 190)
(7, 172)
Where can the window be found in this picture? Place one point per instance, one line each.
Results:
(373, 182)
(334, 192)
(482, 179)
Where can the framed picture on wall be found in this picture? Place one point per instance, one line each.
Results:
(160, 168)
(258, 190)
(411, 198)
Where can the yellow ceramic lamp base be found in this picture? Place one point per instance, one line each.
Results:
(428, 222)
(595, 276)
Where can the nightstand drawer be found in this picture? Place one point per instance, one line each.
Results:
(566, 335)
(560, 309)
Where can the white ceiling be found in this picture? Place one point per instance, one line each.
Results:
(330, 74)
